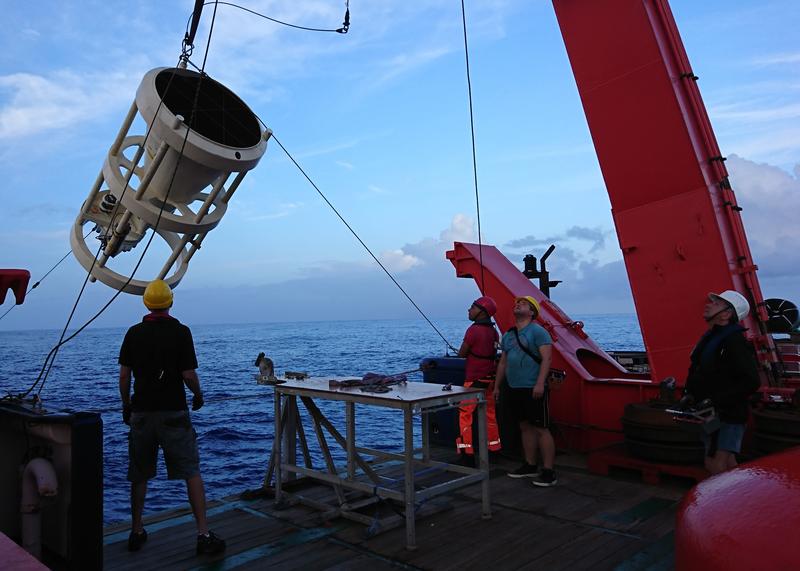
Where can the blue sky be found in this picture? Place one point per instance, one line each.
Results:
(379, 119)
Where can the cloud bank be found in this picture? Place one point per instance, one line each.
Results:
(586, 259)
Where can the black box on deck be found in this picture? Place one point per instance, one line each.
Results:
(72, 521)
(443, 424)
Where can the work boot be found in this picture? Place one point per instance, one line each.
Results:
(525, 471)
(209, 544)
(546, 479)
(136, 540)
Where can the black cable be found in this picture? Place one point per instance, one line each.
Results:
(62, 341)
(191, 29)
(342, 30)
(34, 286)
(353, 232)
(474, 155)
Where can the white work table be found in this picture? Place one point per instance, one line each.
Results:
(361, 476)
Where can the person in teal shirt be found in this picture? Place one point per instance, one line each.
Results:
(524, 365)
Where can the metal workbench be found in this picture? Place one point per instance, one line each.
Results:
(363, 477)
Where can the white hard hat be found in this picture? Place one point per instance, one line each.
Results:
(735, 299)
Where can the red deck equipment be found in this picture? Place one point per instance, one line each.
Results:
(16, 281)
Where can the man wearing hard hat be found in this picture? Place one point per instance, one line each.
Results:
(525, 365)
(480, 350)
(723, 369)
(159, 352)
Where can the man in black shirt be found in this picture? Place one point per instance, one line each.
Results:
(723, 368)
(160, 353)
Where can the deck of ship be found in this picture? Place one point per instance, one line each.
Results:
(585, 522)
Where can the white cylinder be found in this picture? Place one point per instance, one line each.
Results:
(204, 133)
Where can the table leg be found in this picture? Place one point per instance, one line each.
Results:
(271, 464)
(409, 495)
(290, 434)
(483, 452)
(276, 445)
(351, 439)
(426, 437)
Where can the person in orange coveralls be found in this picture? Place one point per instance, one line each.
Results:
(480, 349)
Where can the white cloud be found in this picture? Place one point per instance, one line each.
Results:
(377, 189)
(781, 144)
(406, 63)
(750, 113)
(284, 210)
(462, 229)
(776, 59)
(397, 261)
(327, 150)
(770, 198)
(37, 103)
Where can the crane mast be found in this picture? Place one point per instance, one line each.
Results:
(677, 219)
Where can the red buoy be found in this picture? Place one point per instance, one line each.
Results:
(746, 518)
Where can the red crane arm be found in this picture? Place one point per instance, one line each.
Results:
(676, 216)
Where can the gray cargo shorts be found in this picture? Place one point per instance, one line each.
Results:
(171, 430)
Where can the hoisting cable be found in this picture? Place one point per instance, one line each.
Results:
(34, 286)
(54, 351)
(188, 40)
(345, 27)
(474, 154)
(357, 237)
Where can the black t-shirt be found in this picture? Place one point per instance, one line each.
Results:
(157, 350)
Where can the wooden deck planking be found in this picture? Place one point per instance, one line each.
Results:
(585, 522)
(445, 533)
(658, 534)
(569, 555)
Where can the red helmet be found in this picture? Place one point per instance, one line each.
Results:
(487, 304)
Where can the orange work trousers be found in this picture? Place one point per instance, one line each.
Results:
(464, 440)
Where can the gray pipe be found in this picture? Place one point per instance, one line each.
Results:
(38, 480)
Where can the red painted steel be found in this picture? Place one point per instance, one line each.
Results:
(590, 402)
(16, 281)
(742, 519)
(676, 216)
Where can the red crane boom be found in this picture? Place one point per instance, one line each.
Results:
(676, 216)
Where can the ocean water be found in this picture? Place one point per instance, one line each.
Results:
(235, 426)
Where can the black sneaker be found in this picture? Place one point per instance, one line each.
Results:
(546, 479)
(525, 471)
(209, 544)
(136, 540)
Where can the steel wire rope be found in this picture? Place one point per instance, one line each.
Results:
(357, 237)
(62, 341)
(474, 153)
(34, 286)
(345, 27)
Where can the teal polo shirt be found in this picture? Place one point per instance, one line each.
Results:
(521, 370)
